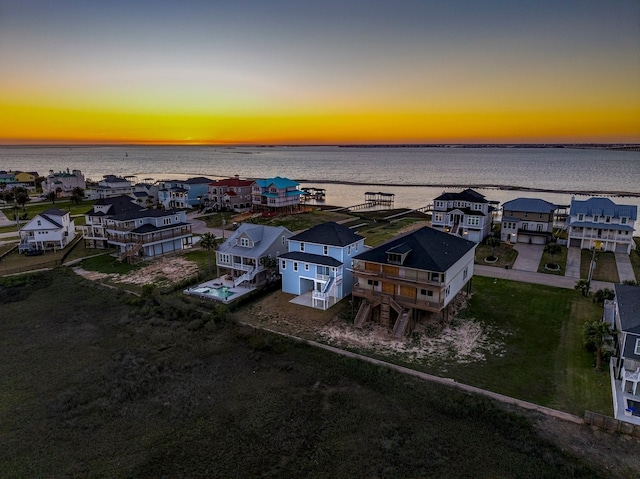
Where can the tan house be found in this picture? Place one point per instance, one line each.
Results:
(408, 279)
(527, 220)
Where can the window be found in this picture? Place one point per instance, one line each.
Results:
(465, 273)
(580, 217)
(306, 266)
(325, 250)
(438, 217)
(435, 277)
(301, 246)
(623, 221)
(473, 221)
(596, 218)
(224, 258)
(39, 223)
(607, 219)
(283, 239)
(448, 290)
(245, 242)
(637, 349)
(295, 266)
(372, 282)
(349, 250)
(283, 264)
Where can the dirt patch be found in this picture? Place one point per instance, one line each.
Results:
(162, 272)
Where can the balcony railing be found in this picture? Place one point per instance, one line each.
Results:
(613, 237)
(404, 276)
(404, 301)
(148, 238)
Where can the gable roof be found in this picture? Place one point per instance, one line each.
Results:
(330, 233)
(603, 207)
(466, 195)
(428, 249)
(143, 213)
(118, 205)
(628, 300)
(237, 182)
(312, 258)
(263, 237)
(529, 205)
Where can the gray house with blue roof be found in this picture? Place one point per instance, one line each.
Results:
(601, 224)
(527, 220)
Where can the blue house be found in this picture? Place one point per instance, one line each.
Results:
(189, 193)
(317, 266)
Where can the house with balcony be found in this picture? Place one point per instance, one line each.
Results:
(189, 193)
(601, 224)
(111, 186)
(63, 182)
(52, 229)
(527, 220)
(623, 314)
(466, 214)
(249, 255)
(147, 233)
(94, 232)
(276, 195)
(317, 266)
(412, 278)
(230, 194)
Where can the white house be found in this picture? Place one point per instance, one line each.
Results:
(50, 230)
(466, 214)
(63, 182)
(602, 224)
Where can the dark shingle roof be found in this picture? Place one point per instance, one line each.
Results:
(430, 250)
(119, 204)
(132, 215)
(330, 233)
(466, 195)
(311, 258)
(529, 205)
(628, 299)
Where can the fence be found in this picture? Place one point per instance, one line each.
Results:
(611, 424)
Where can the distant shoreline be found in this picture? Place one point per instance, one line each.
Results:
(477, 186)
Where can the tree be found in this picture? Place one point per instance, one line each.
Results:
(492, 242)
(20, 195)
(209, 242)
(51, 196)
(603, 294)
(553, 249)
(77, 195)
(597, 335)
(582, 285)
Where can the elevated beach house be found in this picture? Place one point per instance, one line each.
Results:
(189, 193)
(63, 182)
(277, 195)
(601, 224)
(317, 267)
(230, 194)
(52, 229)
(249, 255)
(94, 231)
(466, 214)
(411, 278)
(527, 220)
(623, 314)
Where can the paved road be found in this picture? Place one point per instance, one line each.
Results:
(536, 278)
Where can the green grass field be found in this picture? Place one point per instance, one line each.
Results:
(108, 385)
(606, 268)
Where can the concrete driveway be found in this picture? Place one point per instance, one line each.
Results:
(625, 271)
(573, 262)
(529, 256)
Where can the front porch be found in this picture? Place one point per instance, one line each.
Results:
(307, 299)
(626, 403)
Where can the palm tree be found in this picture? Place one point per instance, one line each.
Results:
(597, 335)
(583, 285)
(553, 249)
(209, 242)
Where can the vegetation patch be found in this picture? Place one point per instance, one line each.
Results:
(606, 268)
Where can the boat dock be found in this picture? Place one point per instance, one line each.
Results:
(371, 200)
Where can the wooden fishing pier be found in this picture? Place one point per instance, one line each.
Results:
(371, 200)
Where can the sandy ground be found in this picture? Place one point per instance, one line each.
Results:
(162, 272)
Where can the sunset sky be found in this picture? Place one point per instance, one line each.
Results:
(330, 71)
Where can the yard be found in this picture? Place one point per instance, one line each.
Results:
(505, 253)
(109, 385)
(559, 259)
(606, 268)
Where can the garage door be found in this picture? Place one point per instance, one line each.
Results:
(524, 238)
(538, 240)
(621, 248)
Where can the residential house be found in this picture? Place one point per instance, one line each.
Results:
(189, 193)
(52, 229)
(466, 214)
(63, 182)
(231, 194)
(249, 255)
(147, 233)
(623, 314)
(95, 233)
(7, 180)
(111, 186)
(317, 265)
(527, 220)
(276, 195)
(601, 224)
(408, 279)
(26, 178)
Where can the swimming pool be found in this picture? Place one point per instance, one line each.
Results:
(221, 292)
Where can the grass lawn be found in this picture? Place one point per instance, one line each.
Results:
(105, 385)
(606, 268)
(301, 221)
(505, 252)
(559, 259)
(105, 263)
(377, 233)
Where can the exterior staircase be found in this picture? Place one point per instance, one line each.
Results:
(131, 254)
(363, 314)
(248, 276)
(401, 323)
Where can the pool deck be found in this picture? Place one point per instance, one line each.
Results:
(219, 283)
